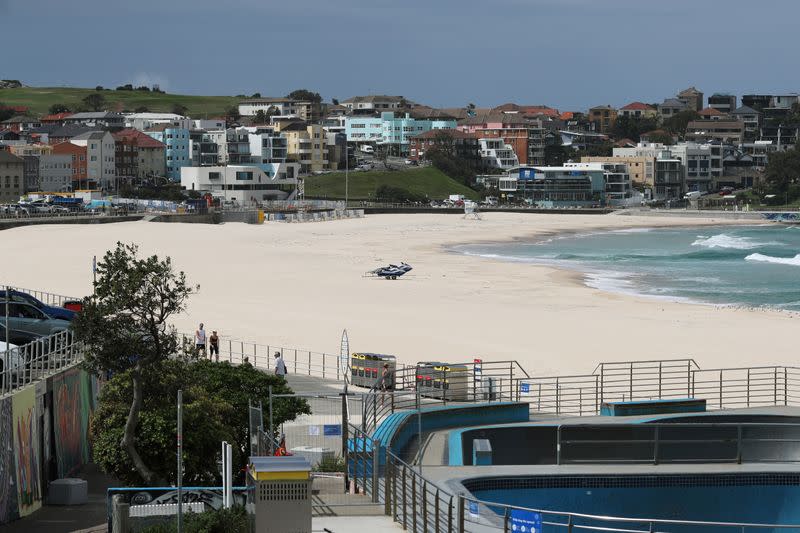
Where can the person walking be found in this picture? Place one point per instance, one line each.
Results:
(200, 340)
(213, 346)
(386, 381)
(280, 366)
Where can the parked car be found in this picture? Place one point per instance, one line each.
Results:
(24, 297)
(26, 319)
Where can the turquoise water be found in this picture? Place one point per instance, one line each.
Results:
(763, 504)
(742, 265)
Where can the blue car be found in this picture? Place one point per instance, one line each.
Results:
(50, 310)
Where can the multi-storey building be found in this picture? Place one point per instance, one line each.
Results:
(692, 97)
(724, 103)
(617, 180)
(98, 119)
(307, 145)
(701, 164)
(759, 102)
(562, 186)
(726, 131)
(78, 164)
(496, 153)
(100, 158)
(671, 107)
(55, 173)
(603, 118)
(12, 177)
(669, 182)
(751, 120)
(139, 156)
(374, 103)
(638, 110)
(178, 147)
(243, 184)
(281, 107)
(204, 149)
(463, 145)
(391, 131)
(512, 128)
(267, 145)
(640, 168)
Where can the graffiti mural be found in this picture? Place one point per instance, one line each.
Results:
(8, 473)
(73, 404)
(26, 451)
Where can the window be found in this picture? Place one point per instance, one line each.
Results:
(214, 175)
(244, 175)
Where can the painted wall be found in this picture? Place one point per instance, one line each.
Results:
(57, 410)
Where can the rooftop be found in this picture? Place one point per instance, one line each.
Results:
(8, 157)
(134, 136)
(637, 106)
(95, 115)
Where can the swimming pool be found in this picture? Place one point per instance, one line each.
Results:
(768, 498)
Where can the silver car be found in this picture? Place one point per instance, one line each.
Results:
(26, 319)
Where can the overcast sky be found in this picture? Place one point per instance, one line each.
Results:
(570, 54)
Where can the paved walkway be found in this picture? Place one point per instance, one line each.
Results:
(69, 518)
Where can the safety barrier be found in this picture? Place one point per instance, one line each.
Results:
(38, 360)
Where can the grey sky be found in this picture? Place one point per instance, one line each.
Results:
(569, 54)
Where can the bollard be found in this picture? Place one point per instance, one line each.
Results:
(120, 515)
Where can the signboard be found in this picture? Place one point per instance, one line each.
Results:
(526, 521)
(473, 509)
(332, 430)
(477, 371)
(524, 387)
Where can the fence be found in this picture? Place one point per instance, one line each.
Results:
(46, 298)
(37, 360)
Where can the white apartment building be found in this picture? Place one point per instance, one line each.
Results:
(495, 153)
(100, 158)
(245, 185)
(702, 164)
(618, 187)
(145, 121)
(266, 145)
(285, 107)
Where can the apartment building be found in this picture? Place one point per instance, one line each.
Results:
(55, 173)
(616, 178)
(96, 119)
(306, 145)
(669, 182)
(692, 97)
(100, 158)
(12, 177)
(562, 186)
(701, 164)
(723, 130)
(751, 120)
(138, 155)
(640, 168)
(392, 131)
(178, 147)
(374, 103)
(638, 110)
(281, 107)
(78, 164)
(461, 144)
(724, 103)
(603, 118)
(671, 107)
(203, 148)
(512, 128)
(496, 153)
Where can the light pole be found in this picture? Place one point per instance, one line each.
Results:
(346, 172)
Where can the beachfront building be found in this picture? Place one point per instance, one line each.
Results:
(496, 153)
(96, 119)
(54, 172)
(701, 163)
(393, 132)
(12, 177)
(669, 181)
(203, 148)
(77, 156)
(512, 129)
(100, 158)
(561, 186)
(178, 147)
(138, 156)
(618, 188)
(306, 145)
(640, 168)
(242, 184)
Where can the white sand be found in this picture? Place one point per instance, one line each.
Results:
(300, 284)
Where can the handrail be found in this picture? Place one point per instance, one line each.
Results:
(38, 360)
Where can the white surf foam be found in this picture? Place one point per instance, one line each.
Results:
(792, 261)
(724, 240)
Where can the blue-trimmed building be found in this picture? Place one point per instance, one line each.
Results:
(178, 152)
(396, 132)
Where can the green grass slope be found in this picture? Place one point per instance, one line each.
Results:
(362, 185)
(39, 100)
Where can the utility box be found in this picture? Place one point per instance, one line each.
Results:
(279, 494)
(481, 452)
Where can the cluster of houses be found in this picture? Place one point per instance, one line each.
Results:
(275, 142)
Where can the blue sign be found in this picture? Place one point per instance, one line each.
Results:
(332, 430)
(473, 509)
(527, 173)
(524, 387)
(526, 521)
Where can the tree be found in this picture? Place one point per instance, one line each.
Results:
(124, 326)
(215, 408)
(232, 114)
(261, 117)
(58, 108)
(334, 101)
(305, 95)
(95, 101)
(662, 137)
(256, 95)
(179, 109)
(98, 88)
(626, 127)
(5, 112)
(141, 109)
(782, 174)
(677, 123)
(126, 87)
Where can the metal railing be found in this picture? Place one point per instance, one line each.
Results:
(47, 298)
(37, 360)
(423, 506)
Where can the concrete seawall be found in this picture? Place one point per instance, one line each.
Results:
(18, 222)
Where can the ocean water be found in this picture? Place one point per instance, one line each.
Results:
(724, 265)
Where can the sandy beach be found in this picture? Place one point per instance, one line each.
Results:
(300, 285)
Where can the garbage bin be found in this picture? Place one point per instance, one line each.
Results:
(279, 494)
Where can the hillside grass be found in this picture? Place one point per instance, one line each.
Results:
(426, 181)
(39, 100)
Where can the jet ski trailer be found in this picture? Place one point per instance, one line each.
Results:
(390, 271)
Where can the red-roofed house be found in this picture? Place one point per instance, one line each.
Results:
(638, 110)
(138, 156)
(459, 143)
(528, 110)
(57, 118)
(710, 113)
